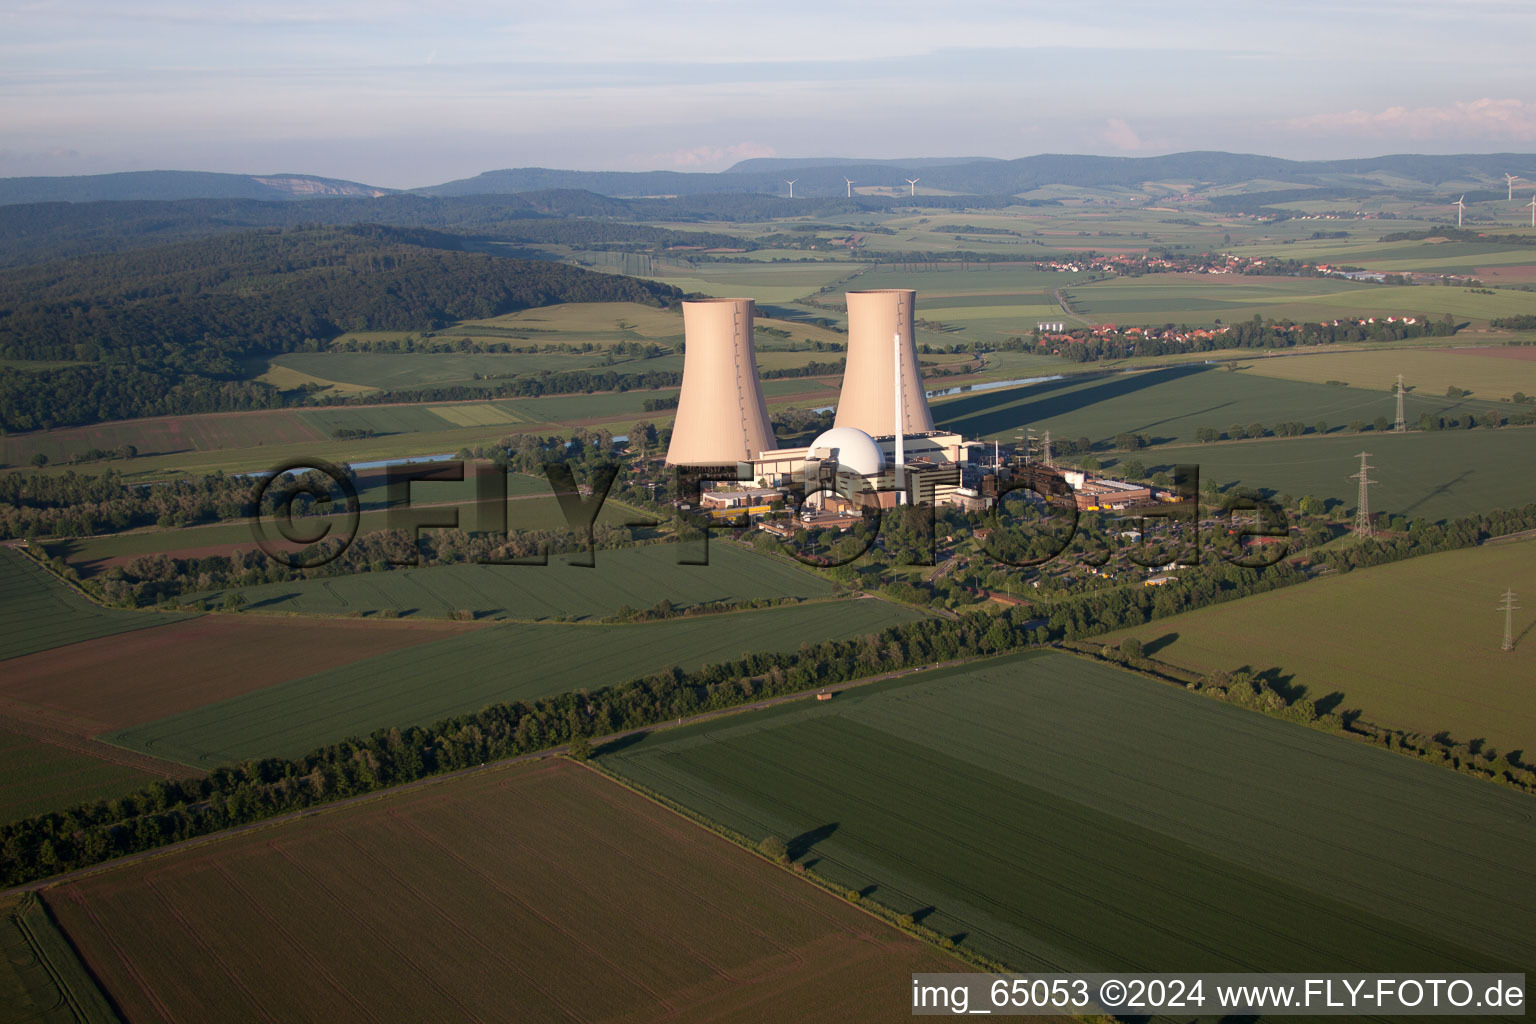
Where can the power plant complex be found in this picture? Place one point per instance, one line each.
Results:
(883, 448)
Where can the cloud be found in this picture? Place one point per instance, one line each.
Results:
(1120, 135)
(709, 158)
(1485, 118)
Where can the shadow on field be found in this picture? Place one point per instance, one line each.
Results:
(802, 844)
(1438, 490)
(992, 412)
(622, 743)
(1151, 647)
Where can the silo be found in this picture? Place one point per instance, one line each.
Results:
(721, 415)
(868, 397)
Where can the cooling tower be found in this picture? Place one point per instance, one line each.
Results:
(868, 394)
(721, 415)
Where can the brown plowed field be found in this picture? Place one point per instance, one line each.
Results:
(540, 892)
(117, 681)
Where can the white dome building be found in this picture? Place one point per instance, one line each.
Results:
(852, 450)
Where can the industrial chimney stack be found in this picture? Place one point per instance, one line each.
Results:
(868, 400)
(721, 415)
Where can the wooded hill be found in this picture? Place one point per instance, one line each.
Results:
(159, 330)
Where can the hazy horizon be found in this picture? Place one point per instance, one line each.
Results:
(392, 95)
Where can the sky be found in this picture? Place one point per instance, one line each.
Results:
(405, 94)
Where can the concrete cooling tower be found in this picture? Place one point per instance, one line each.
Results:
(721, 415)
(868, 398)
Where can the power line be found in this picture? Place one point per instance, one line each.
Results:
(1363, 503)
(1508, 607)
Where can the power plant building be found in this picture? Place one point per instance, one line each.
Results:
(883, 448)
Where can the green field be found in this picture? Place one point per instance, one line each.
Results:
(765, 282)
(465, 673)
(395, 371)
(38, 613)
(1434, 475)
(1205, 298)
(1062, 814)
(535, 512)
(637, 577)
(42, 980)
(1170, 404)
(1427, 372)
(39, 777)
(1441, 669)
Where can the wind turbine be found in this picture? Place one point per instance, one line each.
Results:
(1461, 207)
(791, 183)
(912, 183)
(850, 187)
(1532, 205)
(1510, 179)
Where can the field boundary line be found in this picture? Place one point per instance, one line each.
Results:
(878, 911)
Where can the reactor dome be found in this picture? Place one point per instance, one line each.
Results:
(853, 450)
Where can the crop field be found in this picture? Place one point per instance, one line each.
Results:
(765, 282)
(1441, 671)
(488, 897)
(119, 681)
(38, 613)
(1487, 373)
(638, 577)
(41, 979)
(524, 512)
(37, 777)
(584, 321)
(1437, 475)
(1170, 403)
(507, 662)
(1204, 298)
(166, 434)
(1061, 814)
(396, 371)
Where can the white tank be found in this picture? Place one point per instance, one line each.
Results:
(853, 450)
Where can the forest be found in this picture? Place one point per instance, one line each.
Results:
(159, 331)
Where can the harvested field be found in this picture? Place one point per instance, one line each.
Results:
(1430, 660)
(536, 892)
(1426, 373)
(1058, 813)
(38, 613)
(118, 681)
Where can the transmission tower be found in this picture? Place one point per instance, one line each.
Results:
(1026, 439)
(1045, 449)
(1363, 505)
(1508, 607)
(1401, 424)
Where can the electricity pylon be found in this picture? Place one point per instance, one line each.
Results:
(1363, 503)
(1402, 423)
(1508, 607)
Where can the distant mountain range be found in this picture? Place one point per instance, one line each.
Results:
(816, 177)
(127, 185)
